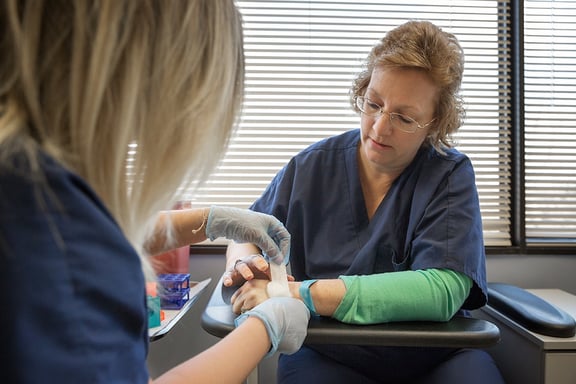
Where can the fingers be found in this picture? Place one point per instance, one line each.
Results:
(272, 238)
(238, 305)
(249, 295)
(245, 269)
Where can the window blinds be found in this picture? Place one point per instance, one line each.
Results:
(550, 114)
(301, 57)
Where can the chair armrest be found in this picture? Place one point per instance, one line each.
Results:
(530, 311)
(460, 332)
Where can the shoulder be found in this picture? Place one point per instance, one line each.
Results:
(316, 165)
(330, 147)
(62, 211)
(343, 141)
(65, 257)
(451, 162)
(50, 187)
(450, 155)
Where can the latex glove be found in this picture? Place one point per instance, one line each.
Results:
(286, 321)
(245, 226)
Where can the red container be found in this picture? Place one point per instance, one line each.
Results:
(175, 261)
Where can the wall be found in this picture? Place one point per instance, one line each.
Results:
(534, 271)
(188, 338)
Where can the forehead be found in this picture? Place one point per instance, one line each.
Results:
(406, 89)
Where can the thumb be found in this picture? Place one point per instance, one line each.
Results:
(272, 253)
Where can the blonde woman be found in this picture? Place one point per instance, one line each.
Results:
(81, 81)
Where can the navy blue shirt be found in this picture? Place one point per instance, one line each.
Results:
(429, 218)
(72, 292)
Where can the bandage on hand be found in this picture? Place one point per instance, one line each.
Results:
(278, 285)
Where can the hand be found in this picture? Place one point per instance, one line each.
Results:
(246, 268)
(249, 295)
(286, 321)
(245, 226)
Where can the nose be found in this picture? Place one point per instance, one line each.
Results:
(382, 125)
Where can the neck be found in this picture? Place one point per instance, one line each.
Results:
(374, 192)
(375, 184)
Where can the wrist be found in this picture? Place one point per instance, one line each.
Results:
(203, 224)
(306, 296)
(294, 287)
(261, 330)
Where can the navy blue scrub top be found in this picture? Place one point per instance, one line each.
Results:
(72, 292)
(430, 217)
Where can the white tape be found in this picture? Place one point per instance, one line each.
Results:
(278, 286)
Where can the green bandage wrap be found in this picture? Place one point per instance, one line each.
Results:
(432, 294)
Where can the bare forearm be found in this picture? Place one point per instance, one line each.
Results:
(326, 294)
(178, 228)
(228, 361)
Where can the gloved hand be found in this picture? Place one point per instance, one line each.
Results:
(286, 321)
(245, 226)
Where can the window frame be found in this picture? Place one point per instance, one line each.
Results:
(519, 242)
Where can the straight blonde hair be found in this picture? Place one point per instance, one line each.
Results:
(82, 80)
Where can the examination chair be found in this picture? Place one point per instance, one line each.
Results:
(530, 333)
(537, 327)
(460, 332)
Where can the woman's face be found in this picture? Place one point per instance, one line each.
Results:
(409, 92)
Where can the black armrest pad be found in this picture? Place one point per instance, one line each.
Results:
(530, 311)
(459, 332)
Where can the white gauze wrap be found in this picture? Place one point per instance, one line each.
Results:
(278, 286)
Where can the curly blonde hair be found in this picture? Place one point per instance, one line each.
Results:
(424, 46)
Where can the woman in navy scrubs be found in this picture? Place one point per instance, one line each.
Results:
(82, 84)
(385, 220)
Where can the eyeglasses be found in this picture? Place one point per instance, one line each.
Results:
(398, 120)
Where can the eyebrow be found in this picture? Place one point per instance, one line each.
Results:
(404, 109)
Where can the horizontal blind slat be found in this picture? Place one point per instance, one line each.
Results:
(301, 58)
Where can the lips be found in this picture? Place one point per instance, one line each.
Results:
(378, 144)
